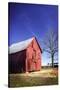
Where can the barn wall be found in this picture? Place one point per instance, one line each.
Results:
(33, 57)
(17, 62)
(26, 60)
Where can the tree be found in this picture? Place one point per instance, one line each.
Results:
(51, 44)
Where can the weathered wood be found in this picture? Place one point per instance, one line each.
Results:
(26, 60)
(33, 56)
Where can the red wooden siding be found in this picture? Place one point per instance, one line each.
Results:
(33, 57)
(17, 62)
(26, 60)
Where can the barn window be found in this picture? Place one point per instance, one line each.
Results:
(34, 56)
(39, 54)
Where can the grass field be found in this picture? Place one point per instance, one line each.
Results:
(43, 77)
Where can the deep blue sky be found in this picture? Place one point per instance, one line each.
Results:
(28, 20)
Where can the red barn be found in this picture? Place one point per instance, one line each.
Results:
(25, 56)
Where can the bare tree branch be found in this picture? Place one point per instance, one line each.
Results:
(51, 44)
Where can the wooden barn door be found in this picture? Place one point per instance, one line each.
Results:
(34, 60)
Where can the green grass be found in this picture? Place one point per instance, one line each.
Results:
(21, 80)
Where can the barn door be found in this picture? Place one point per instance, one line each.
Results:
(34, 60)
